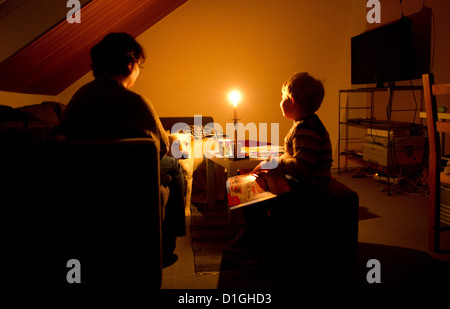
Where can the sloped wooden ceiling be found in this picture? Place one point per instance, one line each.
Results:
(59, 57)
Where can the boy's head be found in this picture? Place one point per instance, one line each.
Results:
(306, 91)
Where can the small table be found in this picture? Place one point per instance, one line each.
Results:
(232, 167)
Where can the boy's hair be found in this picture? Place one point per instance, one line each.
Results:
(306, 90)
(114, 53)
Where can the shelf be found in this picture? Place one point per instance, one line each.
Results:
(356, 107)
(358, 160)
(378, 89)
(381, 125)
(352, 139)
(369, 122)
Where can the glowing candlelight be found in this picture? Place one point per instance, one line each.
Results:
(234, 97)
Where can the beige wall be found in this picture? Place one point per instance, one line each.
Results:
(23, 20)
(207, 47)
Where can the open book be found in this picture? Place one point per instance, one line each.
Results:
(255, 187)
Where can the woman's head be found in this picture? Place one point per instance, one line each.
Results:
(116, 56)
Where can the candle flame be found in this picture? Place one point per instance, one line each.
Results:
(234, 97)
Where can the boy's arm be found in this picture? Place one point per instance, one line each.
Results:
(294, 166)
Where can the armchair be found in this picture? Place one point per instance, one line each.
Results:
(95, 201)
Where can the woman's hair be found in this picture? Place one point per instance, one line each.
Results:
(306, 90)
(114, 53)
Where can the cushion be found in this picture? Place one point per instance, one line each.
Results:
(30, 124)
(49, 112)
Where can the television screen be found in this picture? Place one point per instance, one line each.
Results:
(394, 52)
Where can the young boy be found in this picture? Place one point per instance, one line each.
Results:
(306, 162)
(308, 148)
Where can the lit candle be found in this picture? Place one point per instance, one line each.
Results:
(235, 97)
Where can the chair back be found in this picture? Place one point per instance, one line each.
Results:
(95, 201)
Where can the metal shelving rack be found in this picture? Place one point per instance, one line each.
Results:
(371, 108)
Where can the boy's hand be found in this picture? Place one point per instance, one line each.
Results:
(267, 165)
(258, 167)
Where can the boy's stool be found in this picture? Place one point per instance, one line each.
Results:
(322, 227)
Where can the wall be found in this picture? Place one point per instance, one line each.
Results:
(197, 54)
(20, 22)
(23, 20)
(205, 48)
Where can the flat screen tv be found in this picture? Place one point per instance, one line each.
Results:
(393, 52)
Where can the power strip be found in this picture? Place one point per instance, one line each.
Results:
(395, 181)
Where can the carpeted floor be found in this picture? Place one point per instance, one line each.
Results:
(212, 232)
(391, 231)
(399, 267)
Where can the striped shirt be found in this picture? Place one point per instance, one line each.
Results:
(308, 153)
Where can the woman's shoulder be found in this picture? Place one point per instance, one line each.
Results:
(118, 92)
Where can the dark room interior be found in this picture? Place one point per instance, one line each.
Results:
(382, 221)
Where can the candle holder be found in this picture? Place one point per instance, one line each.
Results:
(235, 155)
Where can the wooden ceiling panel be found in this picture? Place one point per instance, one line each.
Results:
(59, 57)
